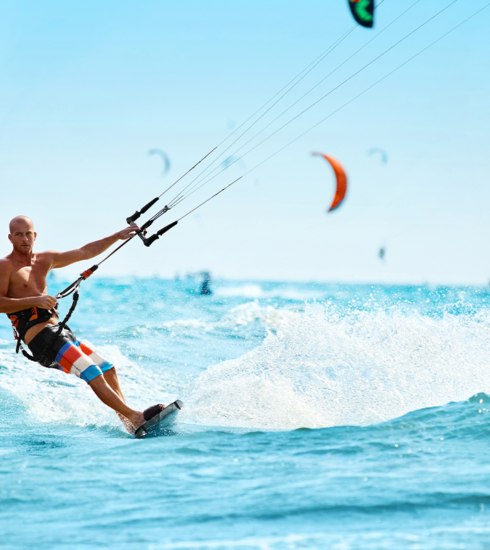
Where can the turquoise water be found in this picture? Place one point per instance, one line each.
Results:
(316, 416)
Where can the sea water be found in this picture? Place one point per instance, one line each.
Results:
(315, 416)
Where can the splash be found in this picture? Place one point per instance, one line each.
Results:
(239, 316)
(50, 396)
(319, 366)
(328, 367)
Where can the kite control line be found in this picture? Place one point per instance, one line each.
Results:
(150, 240)
(145, 208)
(70, 289)
(74, 287)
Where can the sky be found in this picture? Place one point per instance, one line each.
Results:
(88, 88)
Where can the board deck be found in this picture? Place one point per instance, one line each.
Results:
(165, 415)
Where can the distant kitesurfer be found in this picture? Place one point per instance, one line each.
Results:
(24, 298)
(206, 281)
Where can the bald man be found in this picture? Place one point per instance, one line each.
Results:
(24, 298)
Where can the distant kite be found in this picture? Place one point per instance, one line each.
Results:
(379, 151)
(382, 253)
(341, 178)
(164, 157)
(362, 10)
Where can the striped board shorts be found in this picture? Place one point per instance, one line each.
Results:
(68, 354)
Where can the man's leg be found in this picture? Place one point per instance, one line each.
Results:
(111, 378)
(107, 368)
(109, 374)
(81, 360)
(110, 398)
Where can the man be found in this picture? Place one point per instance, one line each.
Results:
(24, 298)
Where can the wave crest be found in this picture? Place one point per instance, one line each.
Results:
(327, 367)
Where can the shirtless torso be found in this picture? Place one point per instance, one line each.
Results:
(24, 281)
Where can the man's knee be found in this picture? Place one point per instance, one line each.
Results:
(94, 356)
(111, 371)
(97, 380)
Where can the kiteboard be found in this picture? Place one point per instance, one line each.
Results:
(162, 419)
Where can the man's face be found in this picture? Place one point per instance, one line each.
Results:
(22, 236)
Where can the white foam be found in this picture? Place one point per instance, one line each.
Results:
(240, 316)
(260, 543)
(187, 323)
(39, 388)
(251, 290)
(247, 291)
(52, 396)
(251, 312)
(326, 369)
(322, 367)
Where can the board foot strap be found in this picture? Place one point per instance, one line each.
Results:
(142, 431)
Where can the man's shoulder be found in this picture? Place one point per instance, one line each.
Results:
(5, 262)
(46, 254)
(6, 269)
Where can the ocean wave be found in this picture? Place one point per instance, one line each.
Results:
(319, 366)
(367, 537)
(243, 315)
(251, 312)
(254, 290)
(328, 367)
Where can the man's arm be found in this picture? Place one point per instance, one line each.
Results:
(90, 250)
(11, 305)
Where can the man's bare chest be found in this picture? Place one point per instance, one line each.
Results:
(27, 281)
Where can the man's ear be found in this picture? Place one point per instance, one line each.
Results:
(10, 237)
(35, 235)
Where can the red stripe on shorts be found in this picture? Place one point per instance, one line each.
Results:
(69, 357)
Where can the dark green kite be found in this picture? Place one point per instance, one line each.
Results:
(362, 10)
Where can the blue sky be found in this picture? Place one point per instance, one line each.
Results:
(87, 89)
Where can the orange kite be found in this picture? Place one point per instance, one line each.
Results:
(341, 177)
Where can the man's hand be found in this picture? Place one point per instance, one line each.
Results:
(45, 302)
(127, 232)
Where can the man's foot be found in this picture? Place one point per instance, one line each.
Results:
(146, 415)
(150, 412)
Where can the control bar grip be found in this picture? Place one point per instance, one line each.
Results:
(138, 213)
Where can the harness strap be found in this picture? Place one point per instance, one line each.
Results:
(71, 289)
(40, 356)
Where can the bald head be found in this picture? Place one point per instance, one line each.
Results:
(22, 235)
(21, 223)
